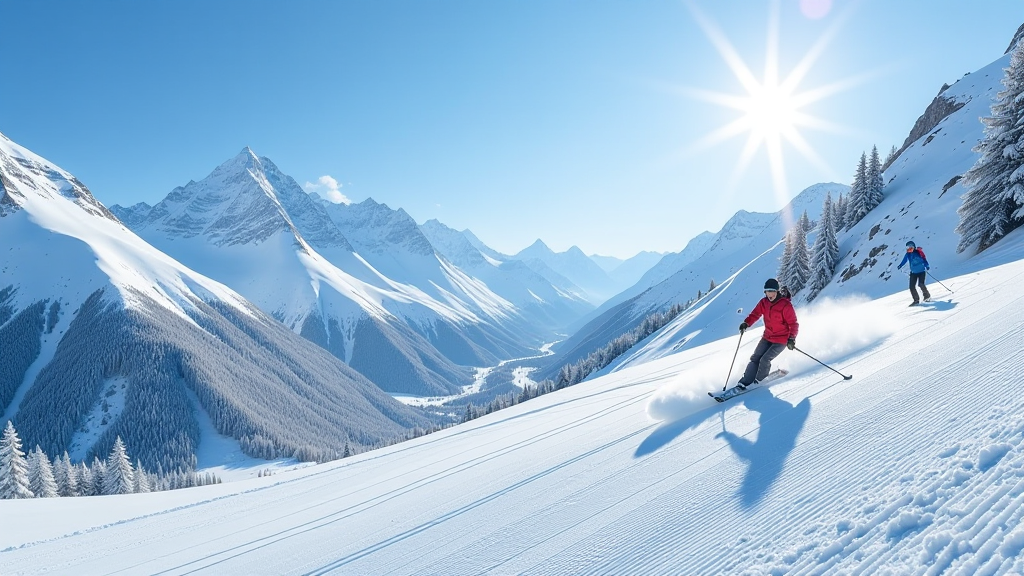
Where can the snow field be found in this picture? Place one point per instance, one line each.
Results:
(912, 467)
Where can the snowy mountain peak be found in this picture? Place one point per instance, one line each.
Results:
(375, 228)
(247, 199)
(22, 172)
(536, 250)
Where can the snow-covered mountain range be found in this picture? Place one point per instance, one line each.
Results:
(360, 280)
(102, 335)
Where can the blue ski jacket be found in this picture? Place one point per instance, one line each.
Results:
(918, 263)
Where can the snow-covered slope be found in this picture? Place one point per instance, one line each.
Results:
(103, 335)
(912, 467)
(743, 254)
(540, 301)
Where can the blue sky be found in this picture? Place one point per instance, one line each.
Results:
(577, 122)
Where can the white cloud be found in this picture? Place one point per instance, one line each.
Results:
(329, 188)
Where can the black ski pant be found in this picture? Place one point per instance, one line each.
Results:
(918, 279)
(761, 361)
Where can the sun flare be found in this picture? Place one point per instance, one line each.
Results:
(770, 113)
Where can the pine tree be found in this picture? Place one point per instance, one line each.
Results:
(875, 181)
(805, 224)
(119, 477)
(800, 267)
(86, 480)
(891, 156)
(13, 466)
(839, 213)
(859, 201)
(40, 475)
(786, 261)
(994, 203)
(825, 254)
(64, 476)
(142, 481)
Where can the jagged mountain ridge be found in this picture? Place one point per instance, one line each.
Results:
(393, 244)
(286, 255)
(574, 265)
(113, 338)
(540, 301)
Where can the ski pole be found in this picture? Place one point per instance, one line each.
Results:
(733, 363)
(845, 377)
(940, 283)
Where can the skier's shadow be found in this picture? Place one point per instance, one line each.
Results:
(780, 424)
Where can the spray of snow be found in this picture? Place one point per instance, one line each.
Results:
(830, 330)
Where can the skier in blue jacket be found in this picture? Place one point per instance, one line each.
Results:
(918, 268)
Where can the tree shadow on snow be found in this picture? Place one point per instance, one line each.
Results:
(780, 424)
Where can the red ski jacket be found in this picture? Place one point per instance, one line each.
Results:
(779, 319)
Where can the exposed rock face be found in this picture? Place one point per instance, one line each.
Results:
(937, 111)
(1016, 37)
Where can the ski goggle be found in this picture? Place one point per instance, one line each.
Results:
(910, 248)
(770, 291)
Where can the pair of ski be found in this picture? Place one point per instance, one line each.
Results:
(737, 391)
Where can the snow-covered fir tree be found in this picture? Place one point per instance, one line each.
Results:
(119, 477)
(40, 475)
(86, 481)
(859, 202)
(142, 482)
(66, 475)
(800, 267)
(13, 466)
(794, 265)
(825, 253)
(875, 181)
(786, 261)
(994, 203)
(891, 156)
(839, 213)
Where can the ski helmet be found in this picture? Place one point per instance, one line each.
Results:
(771, 284)
(911, 244)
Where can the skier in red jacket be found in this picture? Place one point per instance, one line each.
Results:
(780, 328)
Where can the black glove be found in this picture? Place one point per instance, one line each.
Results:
(791, 344)
(743, 326)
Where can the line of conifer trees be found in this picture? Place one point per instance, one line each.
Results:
(34, 475)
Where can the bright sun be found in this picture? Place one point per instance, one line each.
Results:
(770, 112)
